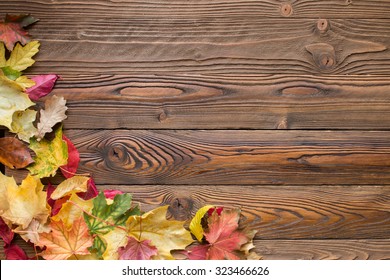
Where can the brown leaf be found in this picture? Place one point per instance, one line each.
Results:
(14, 153)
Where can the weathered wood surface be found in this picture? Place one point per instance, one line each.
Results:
(233, 156)
(217, 102)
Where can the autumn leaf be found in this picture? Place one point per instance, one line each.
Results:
(12, 29)
(5, 232)
(31, 233)
(108, 244)
(91, 191)
(196, 227)
(72, 185)
(137, 250)
(20, 205)
(12, 99)
(11, 73)
(50, 155)
(43, 86)
(2, 55)
(70, 169)
(54, 113)
(14, 252)
(62, 242)
(166, 235)
(23, 124)
(14, 153)
(111, 193)
(21, 57)
(24, 82)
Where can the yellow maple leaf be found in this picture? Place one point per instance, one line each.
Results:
(23, 203)
(166, 235)
(62, 242)
(72, 185)
(114, 239)
(23, 124)
(12, 99)
(21, 57)
(195, 225)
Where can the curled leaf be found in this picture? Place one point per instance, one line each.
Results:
(70, 169)
(14, 153)
(195, 225)
(43, 86)
(69, 186)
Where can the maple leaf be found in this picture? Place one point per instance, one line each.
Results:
(69, 186)
(12, 99)
(14, 153)
(43, 86)
(20, 205)
(166, 235)
(5, 232)
(137, 250)
(108, 244)
(21, 57)
(54, 113)
(91, 191)
(14, 252)
(11, 29)
(31, 233)
(70, 168)
(62, 242)
(50, 155)
(23, 124)
(196, 227)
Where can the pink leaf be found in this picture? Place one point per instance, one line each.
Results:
(211, 211)
(14, 252)
(43, 86)
(70, 169)
(137, 250)
(198, 252)
(91, 191)
(5, 232)
(111, 193)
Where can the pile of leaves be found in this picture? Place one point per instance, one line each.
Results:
(73, 220)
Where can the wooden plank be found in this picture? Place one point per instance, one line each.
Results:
(218, 102)
(204, 8)
(229, 156)
(362, 249)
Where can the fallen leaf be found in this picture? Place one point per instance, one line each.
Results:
(5, 232)
(6, 183)
(196, 227)
(11, 29)
(198, 252)
(218, 209)
(14, 153)
(69, 186)
(24, 203)
(110, 194)
(91, 191)
(62, 243)
(54, 113)
(50, 155)
(43, 86)
(110, 243)
(137, 250)
(14, 252)
(70, 169)
(11, 73)
(21, 57)
(31, 233)
(23, 124)
(12, 99)
(25, 82)
(166, 235)
(2, 55)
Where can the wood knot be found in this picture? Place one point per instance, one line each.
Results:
(323, 54)
(286, 9)
(180, 208)
(322, 25)
(348, 2)
(162, 116)
(283, 124)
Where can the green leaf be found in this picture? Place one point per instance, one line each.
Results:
(196, 223)
(98, 247)
(50, 155)
(11, 73)
(105, 217)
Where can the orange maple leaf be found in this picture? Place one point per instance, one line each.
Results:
(62, 243)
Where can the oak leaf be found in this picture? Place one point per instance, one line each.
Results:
(12, 29)
(14, 153)
(43, 86)
(21, 57)
(196, 227)
(166, 235)
(23, 124)
(12, 99)
(70, 169)
(53, 113)
(137, 250)
(50, 155)
(62, 242)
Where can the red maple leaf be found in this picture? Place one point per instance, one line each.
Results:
(137, 250)
(70, 169)
(12, 30)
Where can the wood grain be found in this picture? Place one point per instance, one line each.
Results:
(223, 102)
(378, 249)
(229, 157)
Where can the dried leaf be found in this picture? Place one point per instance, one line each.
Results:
(5, 232)
(62, 243)
(43, 86)
(110, 194)
(2, 55)
(11, 73)
(54, 113)
(195, 225)
(31, 233)
(166, 235)
(111, 242)
(14, 252)
(23, 124)
(137, 250)
(70, 169)
(25, 82)
(50, 155)
(21, 57)
(14, 153)
(91, 191)
(12, 99)
(69, 186)
(11, 29)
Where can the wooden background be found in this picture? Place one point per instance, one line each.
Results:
(281, 108)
